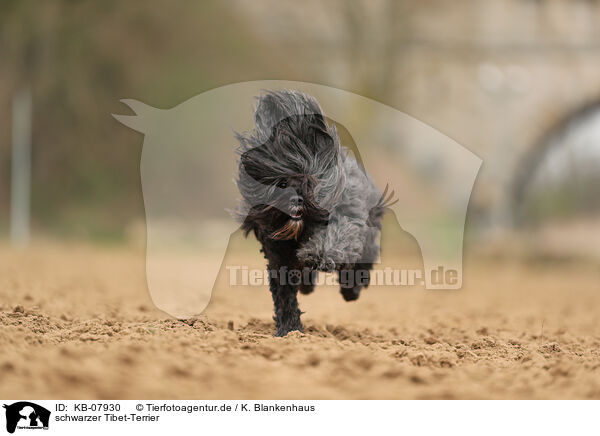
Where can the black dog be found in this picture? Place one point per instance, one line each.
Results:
(311, 206)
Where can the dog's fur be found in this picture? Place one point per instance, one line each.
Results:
(309, 203)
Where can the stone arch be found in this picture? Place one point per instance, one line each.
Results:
(547, 141)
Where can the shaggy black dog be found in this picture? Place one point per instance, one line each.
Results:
(309, 203)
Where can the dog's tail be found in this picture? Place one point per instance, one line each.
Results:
(376, 212)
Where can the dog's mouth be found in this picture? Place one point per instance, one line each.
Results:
(295, 213)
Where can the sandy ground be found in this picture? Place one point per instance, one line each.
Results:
(77, 322)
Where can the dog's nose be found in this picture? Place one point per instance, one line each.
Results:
(296, 200)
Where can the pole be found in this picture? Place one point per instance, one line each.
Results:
(20, 197)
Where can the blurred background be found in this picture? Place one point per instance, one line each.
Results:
(515, 81)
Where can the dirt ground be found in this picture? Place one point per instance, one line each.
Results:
(77, 322)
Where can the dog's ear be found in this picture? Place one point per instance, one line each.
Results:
(268, 113)
(250, 164)
(273, 107)
(322, 137)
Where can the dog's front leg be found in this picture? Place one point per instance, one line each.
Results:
(338, 244)
(312, 255)
(287, 313)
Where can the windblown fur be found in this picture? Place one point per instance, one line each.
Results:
(308, 202)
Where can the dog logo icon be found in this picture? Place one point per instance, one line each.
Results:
(26, 415)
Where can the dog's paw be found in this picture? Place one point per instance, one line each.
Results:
(309, 280)
(306, 289)
(351, 294)
(326, 264)
(308, 260)
(316, 261)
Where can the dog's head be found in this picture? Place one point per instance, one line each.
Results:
(290, 172)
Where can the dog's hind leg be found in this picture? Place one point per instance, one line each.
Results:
(309, 280)
(352, 280)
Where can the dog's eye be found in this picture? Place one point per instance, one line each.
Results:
(282, 184)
